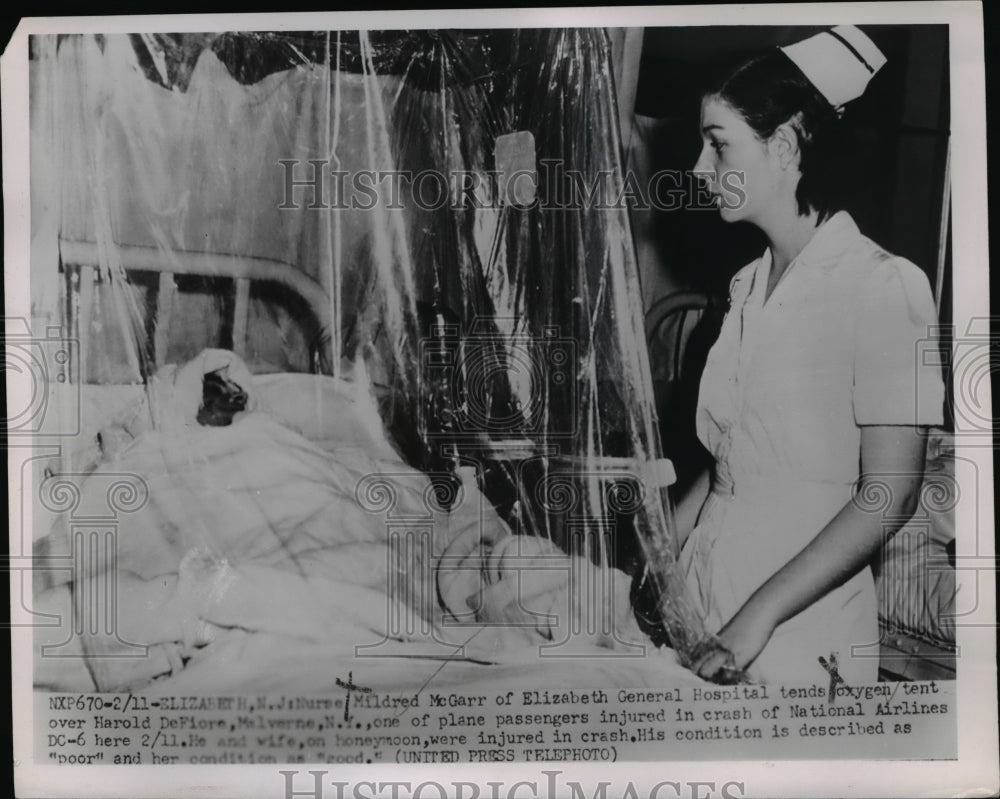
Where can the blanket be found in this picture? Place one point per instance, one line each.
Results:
(253, 537)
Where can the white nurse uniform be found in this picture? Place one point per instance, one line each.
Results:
(785, 392)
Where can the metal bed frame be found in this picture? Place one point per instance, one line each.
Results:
(241, 269)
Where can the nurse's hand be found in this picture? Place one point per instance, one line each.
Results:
(744, 638)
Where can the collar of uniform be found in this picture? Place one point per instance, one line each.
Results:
(831, 240)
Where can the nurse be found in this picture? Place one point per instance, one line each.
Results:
(814, 399)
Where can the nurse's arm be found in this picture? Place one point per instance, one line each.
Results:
(892, 465)
(688, 508)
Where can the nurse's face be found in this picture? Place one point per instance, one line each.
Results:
(739, 169)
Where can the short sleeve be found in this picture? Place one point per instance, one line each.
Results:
(897, 367)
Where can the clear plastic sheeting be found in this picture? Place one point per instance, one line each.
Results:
(496, 322)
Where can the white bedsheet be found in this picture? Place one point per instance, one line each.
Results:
(259, 563)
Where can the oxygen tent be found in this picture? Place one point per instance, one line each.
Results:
(356, 328)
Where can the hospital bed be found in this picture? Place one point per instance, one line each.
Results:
(293, 546)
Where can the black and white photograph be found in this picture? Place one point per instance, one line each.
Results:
(488, 405)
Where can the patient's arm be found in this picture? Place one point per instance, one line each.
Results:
(146, 613)
(160, 610)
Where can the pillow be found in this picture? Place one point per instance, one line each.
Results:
(335, 413)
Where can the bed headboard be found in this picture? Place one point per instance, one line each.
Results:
(242, 269)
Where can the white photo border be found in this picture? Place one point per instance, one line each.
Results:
(975, 772)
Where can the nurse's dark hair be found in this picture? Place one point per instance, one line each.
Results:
(769, 90)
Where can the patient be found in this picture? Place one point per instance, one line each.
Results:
(252, 530)
(221, 399)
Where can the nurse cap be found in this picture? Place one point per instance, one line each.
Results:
(838, 62)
